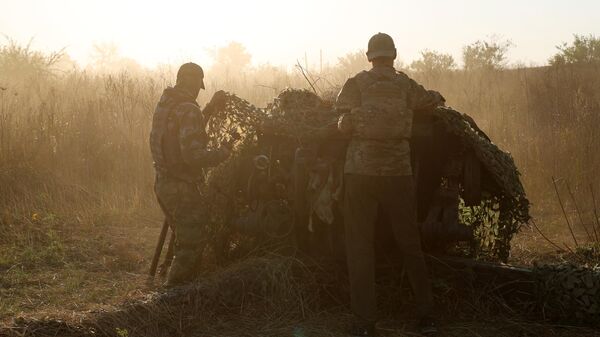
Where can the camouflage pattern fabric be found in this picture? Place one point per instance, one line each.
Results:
(506, 197)
(569, 292)
(181, 140)
(184, 147)
(379, 106)
(181, 202)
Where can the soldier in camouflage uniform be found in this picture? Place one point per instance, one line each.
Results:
(377, 111)
(178, 142)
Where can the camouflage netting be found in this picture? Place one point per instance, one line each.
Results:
(225, 184)
(505, 206)
(301, 116)
(283, 296)
(222, 184)
(569, 293)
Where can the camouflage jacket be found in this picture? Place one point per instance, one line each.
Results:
(178, 139)
(377, 107)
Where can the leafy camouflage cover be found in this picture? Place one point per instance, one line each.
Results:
(302, 116)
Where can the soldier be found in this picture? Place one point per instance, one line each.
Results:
(178, 142)
(377, 112)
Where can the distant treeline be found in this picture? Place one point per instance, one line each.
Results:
(66, 133)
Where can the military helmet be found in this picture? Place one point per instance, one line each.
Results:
(190, 71)
(381, 45)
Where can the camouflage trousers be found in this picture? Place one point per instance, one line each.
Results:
(182, 204)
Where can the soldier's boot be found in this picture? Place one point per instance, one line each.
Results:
(363, 329)
(186, 264)
(183, 270)
(428, 327)
(178, 274)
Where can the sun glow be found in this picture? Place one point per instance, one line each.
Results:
(280, 32)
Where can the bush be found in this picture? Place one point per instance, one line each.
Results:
(583, 50)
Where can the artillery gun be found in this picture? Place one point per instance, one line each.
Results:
(470, 199)
(289, 179)
(282, 188)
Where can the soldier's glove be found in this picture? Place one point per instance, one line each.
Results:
(218, 101)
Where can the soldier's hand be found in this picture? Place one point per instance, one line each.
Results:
(218, 101)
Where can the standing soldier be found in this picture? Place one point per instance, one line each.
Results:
(178, 142)
(377, 111)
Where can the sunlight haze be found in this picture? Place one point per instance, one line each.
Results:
(153, 32)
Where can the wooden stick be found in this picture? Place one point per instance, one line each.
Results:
(578, 212)
(544, 236)
(595, 213)
(159, 247)
(564, 213)
(164, 267)
(306, 77)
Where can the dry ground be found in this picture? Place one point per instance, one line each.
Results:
(61, 267)
(65, 268)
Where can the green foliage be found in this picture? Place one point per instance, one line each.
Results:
(433, 62)
(589, 253)
(122, 332)
(29, 246)
(486, 55)
(483, 219)
(583, 50)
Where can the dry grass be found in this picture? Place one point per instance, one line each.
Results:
(281, 296)
(78, 219)
(62, 266)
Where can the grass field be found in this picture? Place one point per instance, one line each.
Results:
(78, 220)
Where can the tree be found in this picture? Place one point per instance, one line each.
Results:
(22, 62)
(583, 50)
(106, 58)
(104, 54)
(432, 62)
(230, 60)
(352, 63)
(486, 54)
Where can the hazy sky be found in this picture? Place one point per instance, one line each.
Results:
(280, 31)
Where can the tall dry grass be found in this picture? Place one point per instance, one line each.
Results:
(547, 117)
(81, 138)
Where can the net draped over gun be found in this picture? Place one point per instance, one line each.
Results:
(303, 117)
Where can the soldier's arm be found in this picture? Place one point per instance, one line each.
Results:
(420, 98)
(348, 99)
(193, 140)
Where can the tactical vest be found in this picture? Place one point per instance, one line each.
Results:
(164, 140)
(384, 112)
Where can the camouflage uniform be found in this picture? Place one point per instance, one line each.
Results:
(178, 143)
(378, 106)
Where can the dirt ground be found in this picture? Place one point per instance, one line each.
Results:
(82, 268)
